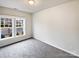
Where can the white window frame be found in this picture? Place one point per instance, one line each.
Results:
(23, 26)
(13, 26)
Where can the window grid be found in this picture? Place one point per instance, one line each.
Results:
(11, 27)
(19, 27)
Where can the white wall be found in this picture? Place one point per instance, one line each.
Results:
(16, 13)
(59, 26)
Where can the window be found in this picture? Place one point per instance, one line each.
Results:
(19, 27)
(11, 27)
(6, 27)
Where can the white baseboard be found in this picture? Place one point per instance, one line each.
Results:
(60, 48)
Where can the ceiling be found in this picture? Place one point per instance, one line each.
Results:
(23, 5)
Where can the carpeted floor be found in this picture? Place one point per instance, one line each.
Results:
(32, 49)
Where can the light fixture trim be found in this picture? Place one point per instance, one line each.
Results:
(31, 2)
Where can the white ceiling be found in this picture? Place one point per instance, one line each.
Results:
(24, 6)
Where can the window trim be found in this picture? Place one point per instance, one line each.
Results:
(13, 26)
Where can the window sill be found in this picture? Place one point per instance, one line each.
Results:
(11, 37)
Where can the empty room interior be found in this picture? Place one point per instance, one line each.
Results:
(39, 28)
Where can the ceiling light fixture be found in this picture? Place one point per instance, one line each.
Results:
(31, 2)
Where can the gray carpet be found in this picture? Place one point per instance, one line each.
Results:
(32, 49)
